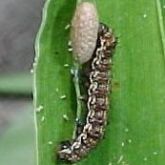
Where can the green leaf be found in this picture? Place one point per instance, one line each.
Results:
(136, 132)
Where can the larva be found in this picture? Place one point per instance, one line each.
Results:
(84, 29)
(97, 103)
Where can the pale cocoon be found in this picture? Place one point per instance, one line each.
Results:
(84, 30)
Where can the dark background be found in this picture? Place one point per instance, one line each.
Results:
(19, 24)
(19, 20)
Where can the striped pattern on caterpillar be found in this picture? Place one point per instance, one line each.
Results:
(97, 103)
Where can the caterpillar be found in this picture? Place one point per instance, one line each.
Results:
(97, 101)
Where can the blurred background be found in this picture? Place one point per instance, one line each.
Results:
(19, 24)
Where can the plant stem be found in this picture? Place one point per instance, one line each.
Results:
(78, 94)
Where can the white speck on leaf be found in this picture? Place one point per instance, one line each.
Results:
(145, 15)
(66, 65)
(120, 159)
(65, 117)
(122, 144)
(145, 159)
(63, 97)
(38, 109)
(42, 118)
(126, 130)
(69, 43)
(129, 141)
(50, 142)
(70, 49)
(67, 26)
(57, 90)
(72, 71)
(155, 153)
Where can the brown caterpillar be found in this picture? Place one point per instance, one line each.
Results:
(97, 103)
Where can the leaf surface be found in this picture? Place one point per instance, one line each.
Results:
(136, 132)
